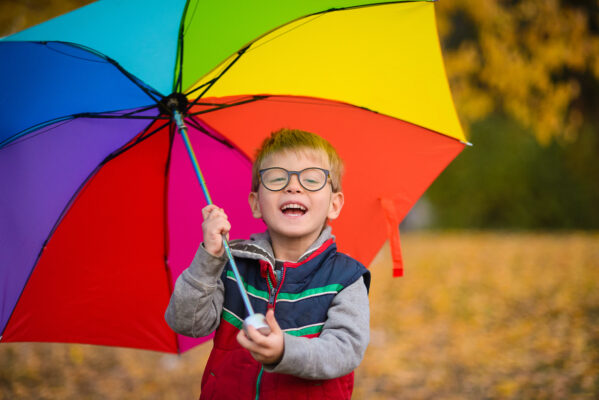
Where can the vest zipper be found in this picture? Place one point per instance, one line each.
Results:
(271, 298)
(271, 303)
(280, 275)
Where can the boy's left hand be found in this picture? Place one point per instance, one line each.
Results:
(265, 349)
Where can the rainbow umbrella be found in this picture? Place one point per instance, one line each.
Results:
(100, 206)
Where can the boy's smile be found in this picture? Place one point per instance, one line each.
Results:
(293, 209)
(295, 216)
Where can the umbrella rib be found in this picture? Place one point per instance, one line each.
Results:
(143, 136)
(177, 87)
(335, 103)
(130, 114)
(147, 90)
(199, 87)
(191, 120)
(382, 3)
(213, 81)
(179, 82)
(108, 116)
(227, 105)
(39, 127)
(133, 79)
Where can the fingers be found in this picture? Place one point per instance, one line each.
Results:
(255, 337)
(215, 224)
(244, 341)
(213, 212)
(272, 322)
(266, 349)
(259, 347)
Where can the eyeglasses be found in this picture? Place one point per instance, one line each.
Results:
(276, 178)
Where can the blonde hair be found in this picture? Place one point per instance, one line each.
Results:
(297, 140)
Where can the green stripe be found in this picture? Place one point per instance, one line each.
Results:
(336, 288)
(238, 323)
(306, 331)
(249, 288)
(232, 319)
(333, 288)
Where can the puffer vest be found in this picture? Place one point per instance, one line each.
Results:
(301, 300)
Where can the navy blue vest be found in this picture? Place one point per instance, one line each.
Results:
(303, 294)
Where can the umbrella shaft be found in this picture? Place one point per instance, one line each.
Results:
(183, 131)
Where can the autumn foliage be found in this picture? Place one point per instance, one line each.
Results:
(537, 61)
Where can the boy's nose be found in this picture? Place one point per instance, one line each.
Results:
(294, 184)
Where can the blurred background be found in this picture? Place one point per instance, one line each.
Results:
(500, 296)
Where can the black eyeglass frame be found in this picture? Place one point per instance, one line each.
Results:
(297, 173)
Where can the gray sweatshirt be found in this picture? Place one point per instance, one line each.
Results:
(197, 301)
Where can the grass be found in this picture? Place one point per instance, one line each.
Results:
(477, 316)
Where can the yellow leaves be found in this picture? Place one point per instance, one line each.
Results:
(76, 355)
(74, 371)
(485, 316)
(529, 57)
(473, 102)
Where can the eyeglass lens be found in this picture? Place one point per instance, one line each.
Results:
(311, 179)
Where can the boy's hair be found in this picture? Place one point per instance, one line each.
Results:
(297, 140)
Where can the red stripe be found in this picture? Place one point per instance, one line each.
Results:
(314, 254)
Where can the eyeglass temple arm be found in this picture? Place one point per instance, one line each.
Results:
(183, 131)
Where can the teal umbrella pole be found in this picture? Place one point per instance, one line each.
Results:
(254, 319)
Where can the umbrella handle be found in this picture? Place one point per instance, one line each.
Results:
(246, 300)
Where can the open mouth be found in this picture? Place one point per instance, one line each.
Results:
(293, 209)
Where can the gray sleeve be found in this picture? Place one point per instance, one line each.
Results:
(341, 345)
(197, 300)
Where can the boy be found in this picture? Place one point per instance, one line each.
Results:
(315, 299)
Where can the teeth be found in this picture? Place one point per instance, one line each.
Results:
(293, 207)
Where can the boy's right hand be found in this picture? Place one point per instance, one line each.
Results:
(214, 226)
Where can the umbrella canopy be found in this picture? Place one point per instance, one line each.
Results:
(100, 209)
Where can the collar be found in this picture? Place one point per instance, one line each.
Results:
(259, 246)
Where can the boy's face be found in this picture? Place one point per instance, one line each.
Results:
(305, 223)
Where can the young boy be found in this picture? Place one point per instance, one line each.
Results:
(315, 299)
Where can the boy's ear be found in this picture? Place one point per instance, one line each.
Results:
(336, 205)
(253, 200)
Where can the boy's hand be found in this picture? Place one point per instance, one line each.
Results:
(265, 349)
(215, 224)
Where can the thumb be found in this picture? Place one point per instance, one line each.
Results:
(272, 322)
